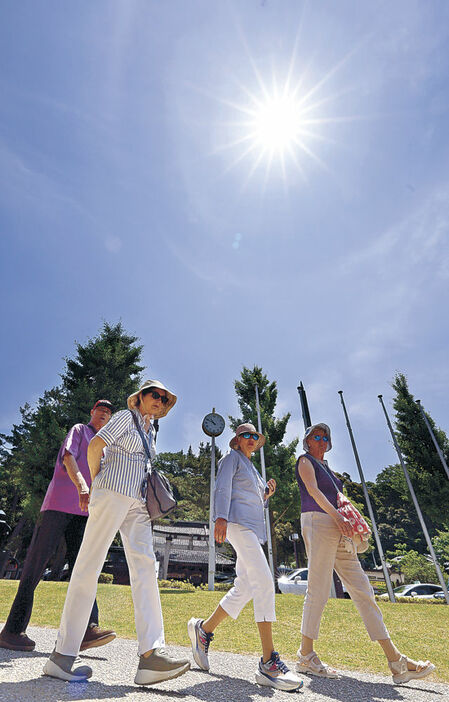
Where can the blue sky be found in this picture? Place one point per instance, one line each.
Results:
(133, 190)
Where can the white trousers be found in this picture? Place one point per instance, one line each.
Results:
(110, 512)
(325, 552)
(254, 580)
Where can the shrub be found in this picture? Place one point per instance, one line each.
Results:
(106, 578)
(183, 585)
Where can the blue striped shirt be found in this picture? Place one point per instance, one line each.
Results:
(122, 467)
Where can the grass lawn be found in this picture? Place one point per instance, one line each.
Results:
(420, 631)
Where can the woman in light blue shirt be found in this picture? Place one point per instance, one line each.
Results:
(240, 499)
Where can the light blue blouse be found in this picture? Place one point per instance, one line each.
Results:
(240, 493)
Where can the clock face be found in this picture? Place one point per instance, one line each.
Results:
(213, 424)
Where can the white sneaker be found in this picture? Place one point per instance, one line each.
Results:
(274, 673)
(200, 641)
(62, 667)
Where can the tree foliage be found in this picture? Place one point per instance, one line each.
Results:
(107, 366)
(426, 472)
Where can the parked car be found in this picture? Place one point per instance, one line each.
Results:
(296, 583)
(419, 590)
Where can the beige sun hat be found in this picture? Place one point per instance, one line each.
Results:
(164, 409)
(241, 429)
(309, 430)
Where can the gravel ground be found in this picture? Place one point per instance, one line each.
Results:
(231, 680)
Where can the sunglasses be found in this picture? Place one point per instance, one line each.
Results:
(156, 396)
(317, 437)
(143, 488)
(247, 435)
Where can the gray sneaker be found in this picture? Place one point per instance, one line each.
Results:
(200, 641)
(274, 673)
(62, 667)
(160, 666)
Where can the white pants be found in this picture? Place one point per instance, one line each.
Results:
(110, 512)
(325, 552)
(254, 580)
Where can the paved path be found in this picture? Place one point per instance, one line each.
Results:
(231, 680)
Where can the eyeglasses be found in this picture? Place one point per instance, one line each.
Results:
(247, 435)
(317, 437)
(156, 396)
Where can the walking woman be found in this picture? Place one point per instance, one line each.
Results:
(240, 499)
(117, 503)
(323, 530)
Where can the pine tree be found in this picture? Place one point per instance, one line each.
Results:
(426, 472)
(105, 367)
(279, 457)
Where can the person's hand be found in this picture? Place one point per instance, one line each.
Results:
(221, 526)
(271, 485)
(344, 525)
(84, 498)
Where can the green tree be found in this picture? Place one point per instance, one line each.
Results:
(415, 566)
(189, 475)
(440, 543)
(426, 472)
(279, 457)
(106, 366)
(397, 520)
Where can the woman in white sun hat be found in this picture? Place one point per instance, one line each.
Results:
(118, 462)
(240, 499)
(326, 533)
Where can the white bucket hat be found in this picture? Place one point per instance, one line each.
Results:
(241, 429)
(309, 430)
(157, 385)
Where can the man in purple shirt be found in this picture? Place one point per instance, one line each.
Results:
(63, 513)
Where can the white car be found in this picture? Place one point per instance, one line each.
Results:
(296, 583)
(419, 590)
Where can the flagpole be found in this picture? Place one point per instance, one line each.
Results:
(439, 451)
(264, 477)
(415, 502)
(368, 503)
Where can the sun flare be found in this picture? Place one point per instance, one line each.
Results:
(277, 124)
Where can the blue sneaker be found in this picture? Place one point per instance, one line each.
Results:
(274, 673)
(200, 641)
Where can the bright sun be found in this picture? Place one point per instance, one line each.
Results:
(277, 124)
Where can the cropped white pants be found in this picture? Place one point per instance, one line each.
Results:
(325, 553)
(254, 580)
(110, 512)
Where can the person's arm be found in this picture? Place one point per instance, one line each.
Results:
(77, 479)
(222, 496)
(94, 453)
(308, 477)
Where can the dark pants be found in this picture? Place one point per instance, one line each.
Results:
(47, 534)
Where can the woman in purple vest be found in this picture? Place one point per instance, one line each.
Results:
(323, 529)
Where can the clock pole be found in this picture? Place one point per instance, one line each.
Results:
(211, 569)
(264, 477)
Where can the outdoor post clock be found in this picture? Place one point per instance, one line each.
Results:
(213, 425)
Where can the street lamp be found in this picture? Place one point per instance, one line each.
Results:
(295, 538)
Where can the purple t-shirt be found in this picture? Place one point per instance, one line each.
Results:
(324, 482)
(62, 494)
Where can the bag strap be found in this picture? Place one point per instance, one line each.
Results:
(327, 471)
(142, 436)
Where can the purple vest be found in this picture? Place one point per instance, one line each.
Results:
(324, 483)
